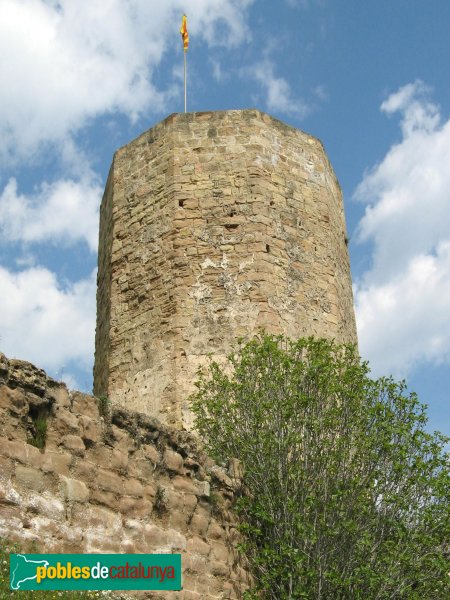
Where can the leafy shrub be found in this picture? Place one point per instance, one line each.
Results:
(345, 494)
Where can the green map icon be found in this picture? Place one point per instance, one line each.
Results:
(23, 569)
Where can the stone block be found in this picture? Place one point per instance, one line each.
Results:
(13, 400)
(73, 490)
(45, 504)
(155, 536)
(196, 545)
(59, 395)
(133, 487)
(109, 481)
(220, 552)
(100, 454)
(179, 521)
(142, 468)
(174, 500)
(85, 404)
(190, 594)
(200, 521)
(35, 456)
(119, 459)
(186, 484)
(101, 543)
(14, 449)
(105, 498)
(7, 469)
(219, 569)
(74, 443)
(8, 494)
(85, 470)
(173, 461)
(150, 491)
(56, 462)
(66, 422)
(190, 501)
(139, 508)
(97, 517)
(216, 531)
(30, 478)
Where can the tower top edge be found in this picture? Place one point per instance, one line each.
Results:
(215, 116)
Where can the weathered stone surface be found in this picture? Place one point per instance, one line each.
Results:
(84, 404)
(30, 478)
(198, 546)
(66, 422)
(91, 429)
(74, 490)
(13, 400)
(106, 480)
(14, 449)
(173, 461)
(133, 487)
(57, 462)
(75, 444)
(212, 226)
(45, 504)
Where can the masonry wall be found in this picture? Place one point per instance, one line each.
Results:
(213, 226)
(118, 483)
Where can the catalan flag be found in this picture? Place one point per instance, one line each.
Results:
(184, 33)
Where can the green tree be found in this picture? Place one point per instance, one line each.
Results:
(344, 494)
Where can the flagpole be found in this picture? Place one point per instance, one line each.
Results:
(184, 80)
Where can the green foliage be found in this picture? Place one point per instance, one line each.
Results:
(345, 495)
(39, 436)
(104, 406)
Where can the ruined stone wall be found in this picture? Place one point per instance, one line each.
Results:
(118, 483)
(214, 225)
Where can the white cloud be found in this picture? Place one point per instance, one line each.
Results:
(43, 322)
(65, 63)
(402, 300)
(277, 90)
(405, 320)
(419, 114)
(64, 212)
(217, 70)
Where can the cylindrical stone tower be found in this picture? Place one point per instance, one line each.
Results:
(212, 226)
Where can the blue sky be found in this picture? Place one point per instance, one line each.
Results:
(79, 78)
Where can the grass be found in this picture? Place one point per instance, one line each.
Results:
(104, 406)
(40, 432)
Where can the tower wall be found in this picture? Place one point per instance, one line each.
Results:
(214, 225)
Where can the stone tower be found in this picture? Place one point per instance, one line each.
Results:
(212, 226)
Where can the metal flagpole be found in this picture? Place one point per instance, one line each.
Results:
(184, 81)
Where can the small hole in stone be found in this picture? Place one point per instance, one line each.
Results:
(267, 248)
(232, 213)
(181, 203)
(271, 203)
(231, 226)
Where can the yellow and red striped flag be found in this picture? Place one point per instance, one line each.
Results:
(184, 33)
